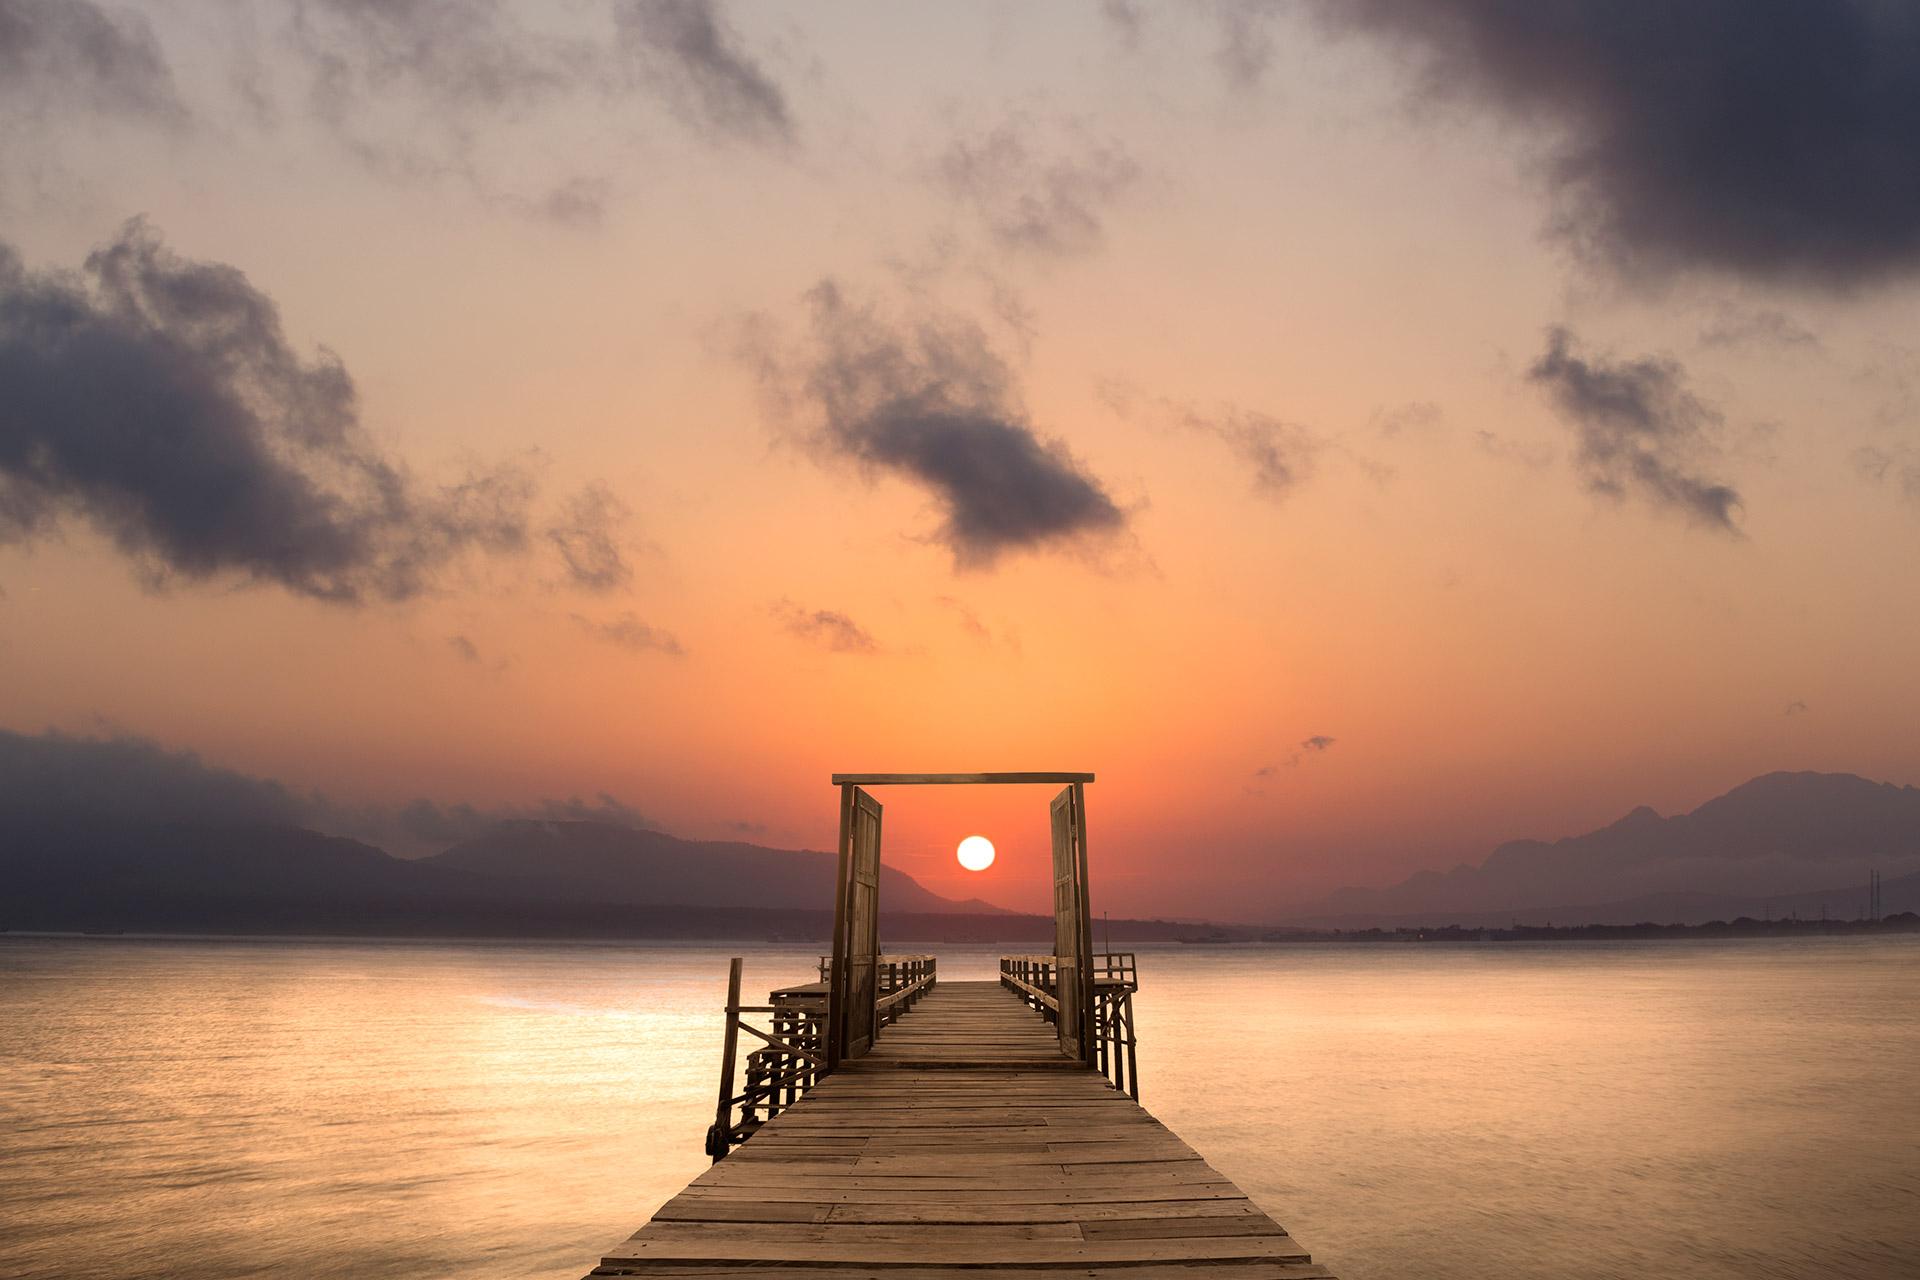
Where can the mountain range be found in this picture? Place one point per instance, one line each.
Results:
(122, 834)
(1781, 842)
(73, 872)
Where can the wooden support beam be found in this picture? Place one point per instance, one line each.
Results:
(951, 779)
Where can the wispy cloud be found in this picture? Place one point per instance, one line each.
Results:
(1044, 197)
(827, 628)
(696, 57)
(588, 536)
(626, 631)
(1637, 428)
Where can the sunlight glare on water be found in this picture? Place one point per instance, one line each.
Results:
(336, 1109)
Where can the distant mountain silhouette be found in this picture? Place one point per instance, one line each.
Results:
(72, 872)
(1779, 836)
(628, 864)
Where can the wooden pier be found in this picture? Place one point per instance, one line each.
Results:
(893, 1124)
(965, 1143)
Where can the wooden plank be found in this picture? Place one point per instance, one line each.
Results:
(984, 1251)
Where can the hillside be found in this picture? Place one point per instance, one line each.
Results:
(627, 864)
(1776, 836)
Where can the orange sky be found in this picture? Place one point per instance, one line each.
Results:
(1170, 265)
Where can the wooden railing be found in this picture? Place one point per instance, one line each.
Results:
(793, 1054)
(1116, 976)
(901, 981)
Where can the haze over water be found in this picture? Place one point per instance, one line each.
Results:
(372, 1109)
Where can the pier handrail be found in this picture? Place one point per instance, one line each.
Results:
(1116, 976)
(902, 981)
(793, 1055)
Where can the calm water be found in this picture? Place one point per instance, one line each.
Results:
(224, 1108)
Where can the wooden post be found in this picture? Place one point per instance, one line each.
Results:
(837, 984)
(719, 1137)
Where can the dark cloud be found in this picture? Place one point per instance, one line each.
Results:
(825, 627)
(1318, 742)
(64, 55)
(587, 535)
(1795, 708)
(1052, 205)
(697, 59)
(1739, 327)
(1638, 429)
(1779, 141)
(159, 399)
(123, 779)
(626, 631)
(931, 402)
(54, 776)
(467, 650)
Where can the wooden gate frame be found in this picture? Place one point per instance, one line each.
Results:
(850, 785)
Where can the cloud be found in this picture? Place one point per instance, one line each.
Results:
(697, 59)
(466, 649)
(1739, 327)
(1051, 206)
(626, 631)
(1637, 429)
(1317, 744)
(53, 775)
(1777, 146)
(427, 825)
(1879, 465)
(830, 630)
(931, 403)
(1795, 708)
(1278, 455)
(1245, 50)
(159, 400)
(466, 55)
(587, 535)
(58, 56)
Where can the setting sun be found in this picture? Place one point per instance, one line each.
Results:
(976, 853)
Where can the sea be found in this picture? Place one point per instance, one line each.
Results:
(231, 1107)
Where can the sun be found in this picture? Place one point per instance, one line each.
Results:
(976, 853)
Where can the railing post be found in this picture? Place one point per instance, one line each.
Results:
(719, 1137)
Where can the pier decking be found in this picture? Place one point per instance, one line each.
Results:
(965, 1143)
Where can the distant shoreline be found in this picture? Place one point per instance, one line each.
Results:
(1237, 938)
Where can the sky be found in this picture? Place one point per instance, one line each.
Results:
(1359, 433)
